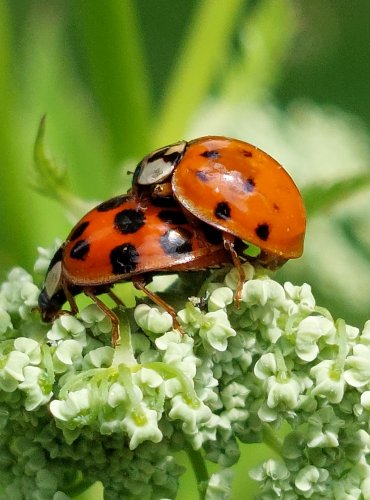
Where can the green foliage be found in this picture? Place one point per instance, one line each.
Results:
(120, 79)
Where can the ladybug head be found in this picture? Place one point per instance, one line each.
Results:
(52, 296)
(159, 165)
(50, 306)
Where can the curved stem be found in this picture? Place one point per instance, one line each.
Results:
(271, 440)
(199, 469)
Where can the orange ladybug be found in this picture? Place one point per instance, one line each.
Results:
(234, 187)
(124, 239)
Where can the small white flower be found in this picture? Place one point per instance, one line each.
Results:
(265, 366)
(117, 395)
(299, 299)
(67, 353)
(270, 469)
(358, 373)
(37, 387)
(142, 426)
(284, 393)
(29, 347)
(178, 352)
(234, 395)
(150, 319)
(329, 382)
(365, 400)
(219, 485)
(75, 403)
(44, 257)
(260, 292)
(216, 329)
(99, 357)
(191, 413)
(67, 326)
(309, 478)
(220, 298)
(309, 331)
(96, 320)
(232, 277)
(5, 321)
(11, 372)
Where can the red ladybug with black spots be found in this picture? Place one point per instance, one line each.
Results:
(125, 239)
(234, 187)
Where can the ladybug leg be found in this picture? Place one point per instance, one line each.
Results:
(116, 299)
(229, 241)
(140, 284)
(108, 312)
(71, 301)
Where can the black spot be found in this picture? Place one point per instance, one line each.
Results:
(80, 250)
(210, 154)
(58, 256)
(176, 241)
(202, 175)
(173, 158)
(172, 217)
(164, 202)
(124, 258)
(222, 211)
(112, 203)
(212, 234)
(78, 231)
(276, 207)
(263, 231)
(249, 185)
(247, 154)
(129, 221)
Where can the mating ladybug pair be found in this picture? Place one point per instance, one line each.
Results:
(193, 205)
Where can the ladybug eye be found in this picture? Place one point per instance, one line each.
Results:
(159, 165)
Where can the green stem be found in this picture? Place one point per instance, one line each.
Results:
(199, 469)
(271, 440)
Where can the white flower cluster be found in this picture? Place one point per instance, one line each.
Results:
(73, 407)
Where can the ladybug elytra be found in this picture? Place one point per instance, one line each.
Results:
(123, 239)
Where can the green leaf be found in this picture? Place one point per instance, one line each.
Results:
(319, 198)
(206, 44)
(113, 56)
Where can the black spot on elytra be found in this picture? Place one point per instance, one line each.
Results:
(223, 211)
(249, 185)
(202, 175)
(211, 154)
(129, 221)
(276, 207)
(80, 250)
(112, 203)
(247, 154)
(172, 217)
(263, 231)
(78, 231)
(124, 258)
(212, 234)
(58, 256)
(176, 241)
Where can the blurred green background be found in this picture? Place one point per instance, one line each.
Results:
(120, 78)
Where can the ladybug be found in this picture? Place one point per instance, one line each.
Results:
(234, 187)
(125, 239)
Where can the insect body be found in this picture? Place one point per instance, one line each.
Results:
(124, 239)
(233, 186)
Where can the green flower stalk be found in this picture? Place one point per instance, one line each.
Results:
(276, 369)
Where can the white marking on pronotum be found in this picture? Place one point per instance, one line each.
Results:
(52, 281)
(159, 168)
